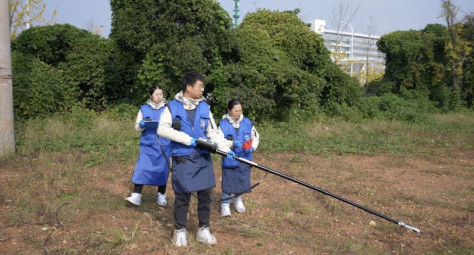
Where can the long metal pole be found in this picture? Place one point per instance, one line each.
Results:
(7, 137)
(266, 169)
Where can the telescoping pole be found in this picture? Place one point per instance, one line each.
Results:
(266, 169)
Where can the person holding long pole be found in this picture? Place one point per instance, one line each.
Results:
(187, 119)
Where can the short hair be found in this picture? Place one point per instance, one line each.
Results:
(233, 102)
(153, 88)
(190, 78)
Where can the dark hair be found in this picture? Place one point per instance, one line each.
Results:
(233, 102)
(153, 88)
(190, 78)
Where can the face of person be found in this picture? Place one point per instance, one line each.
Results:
(196, 90)
(236, 111)
(157, 96)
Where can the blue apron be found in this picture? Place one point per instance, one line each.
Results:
(192, 168)
(151, 167)
(235, 174)
(193, 172)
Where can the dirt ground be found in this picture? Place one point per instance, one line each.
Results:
(86, 214)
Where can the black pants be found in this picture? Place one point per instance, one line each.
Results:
(181, 206)
(137, 188)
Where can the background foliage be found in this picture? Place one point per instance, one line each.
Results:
(280, 68)
(60, 66)
(272, 61)
(421, 62)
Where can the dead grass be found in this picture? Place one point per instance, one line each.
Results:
(71, 201)
(282, 217)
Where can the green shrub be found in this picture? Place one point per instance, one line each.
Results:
(396, 108)
(122, 112)
(39, 89)
(369, 109)
(380, 87)
(60, 66)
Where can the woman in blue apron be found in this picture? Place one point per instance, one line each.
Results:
(243, 139)
(152, 164)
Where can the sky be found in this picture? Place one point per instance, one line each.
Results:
(387, 15)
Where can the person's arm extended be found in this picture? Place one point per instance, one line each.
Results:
(165, 129)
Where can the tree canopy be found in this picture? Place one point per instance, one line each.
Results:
(58, 67)
(280, 68)
(168, 38)
(23, 15)
(421, 61)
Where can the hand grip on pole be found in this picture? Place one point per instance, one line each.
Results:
(207, 145)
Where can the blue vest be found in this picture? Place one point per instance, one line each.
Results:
(196, 129)
(245, 133)
(149, 135)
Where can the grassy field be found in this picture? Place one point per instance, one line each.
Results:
(63, 192)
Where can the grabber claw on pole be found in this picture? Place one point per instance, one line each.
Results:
(212, 147)
(401, 223)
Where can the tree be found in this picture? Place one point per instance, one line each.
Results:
(25, 14)
(467, 87)
(371, 72)
(60, 66)
(457, 50)
(341, 19)
(168, 38)
(418, 61)
(281, 69)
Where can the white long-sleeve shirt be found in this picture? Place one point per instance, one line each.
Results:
(140, 114)
(236, 124)
(165, 129)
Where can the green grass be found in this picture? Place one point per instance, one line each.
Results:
(101, 138)
(370, 137)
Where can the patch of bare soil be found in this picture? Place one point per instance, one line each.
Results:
(432, 193)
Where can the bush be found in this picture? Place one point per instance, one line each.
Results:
(122, 112)
(369, 108)
(39, 90)
(380, 87)
(396, 108)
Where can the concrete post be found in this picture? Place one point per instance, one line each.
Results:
(7, 135)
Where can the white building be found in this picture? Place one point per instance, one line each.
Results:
(354, 52)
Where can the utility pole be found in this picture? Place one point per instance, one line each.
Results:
(7, 135)
(27, 14)
(236, 13)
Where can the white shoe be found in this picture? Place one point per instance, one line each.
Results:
(161, 199)
(179, 238)
(205, 236)
(225, 209)
(239, 205)
(134, 199)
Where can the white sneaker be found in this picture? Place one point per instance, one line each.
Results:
(134, 199)
(179, 238)
(225, 209)
(239, 205)
(161, 199)
(205, 236)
